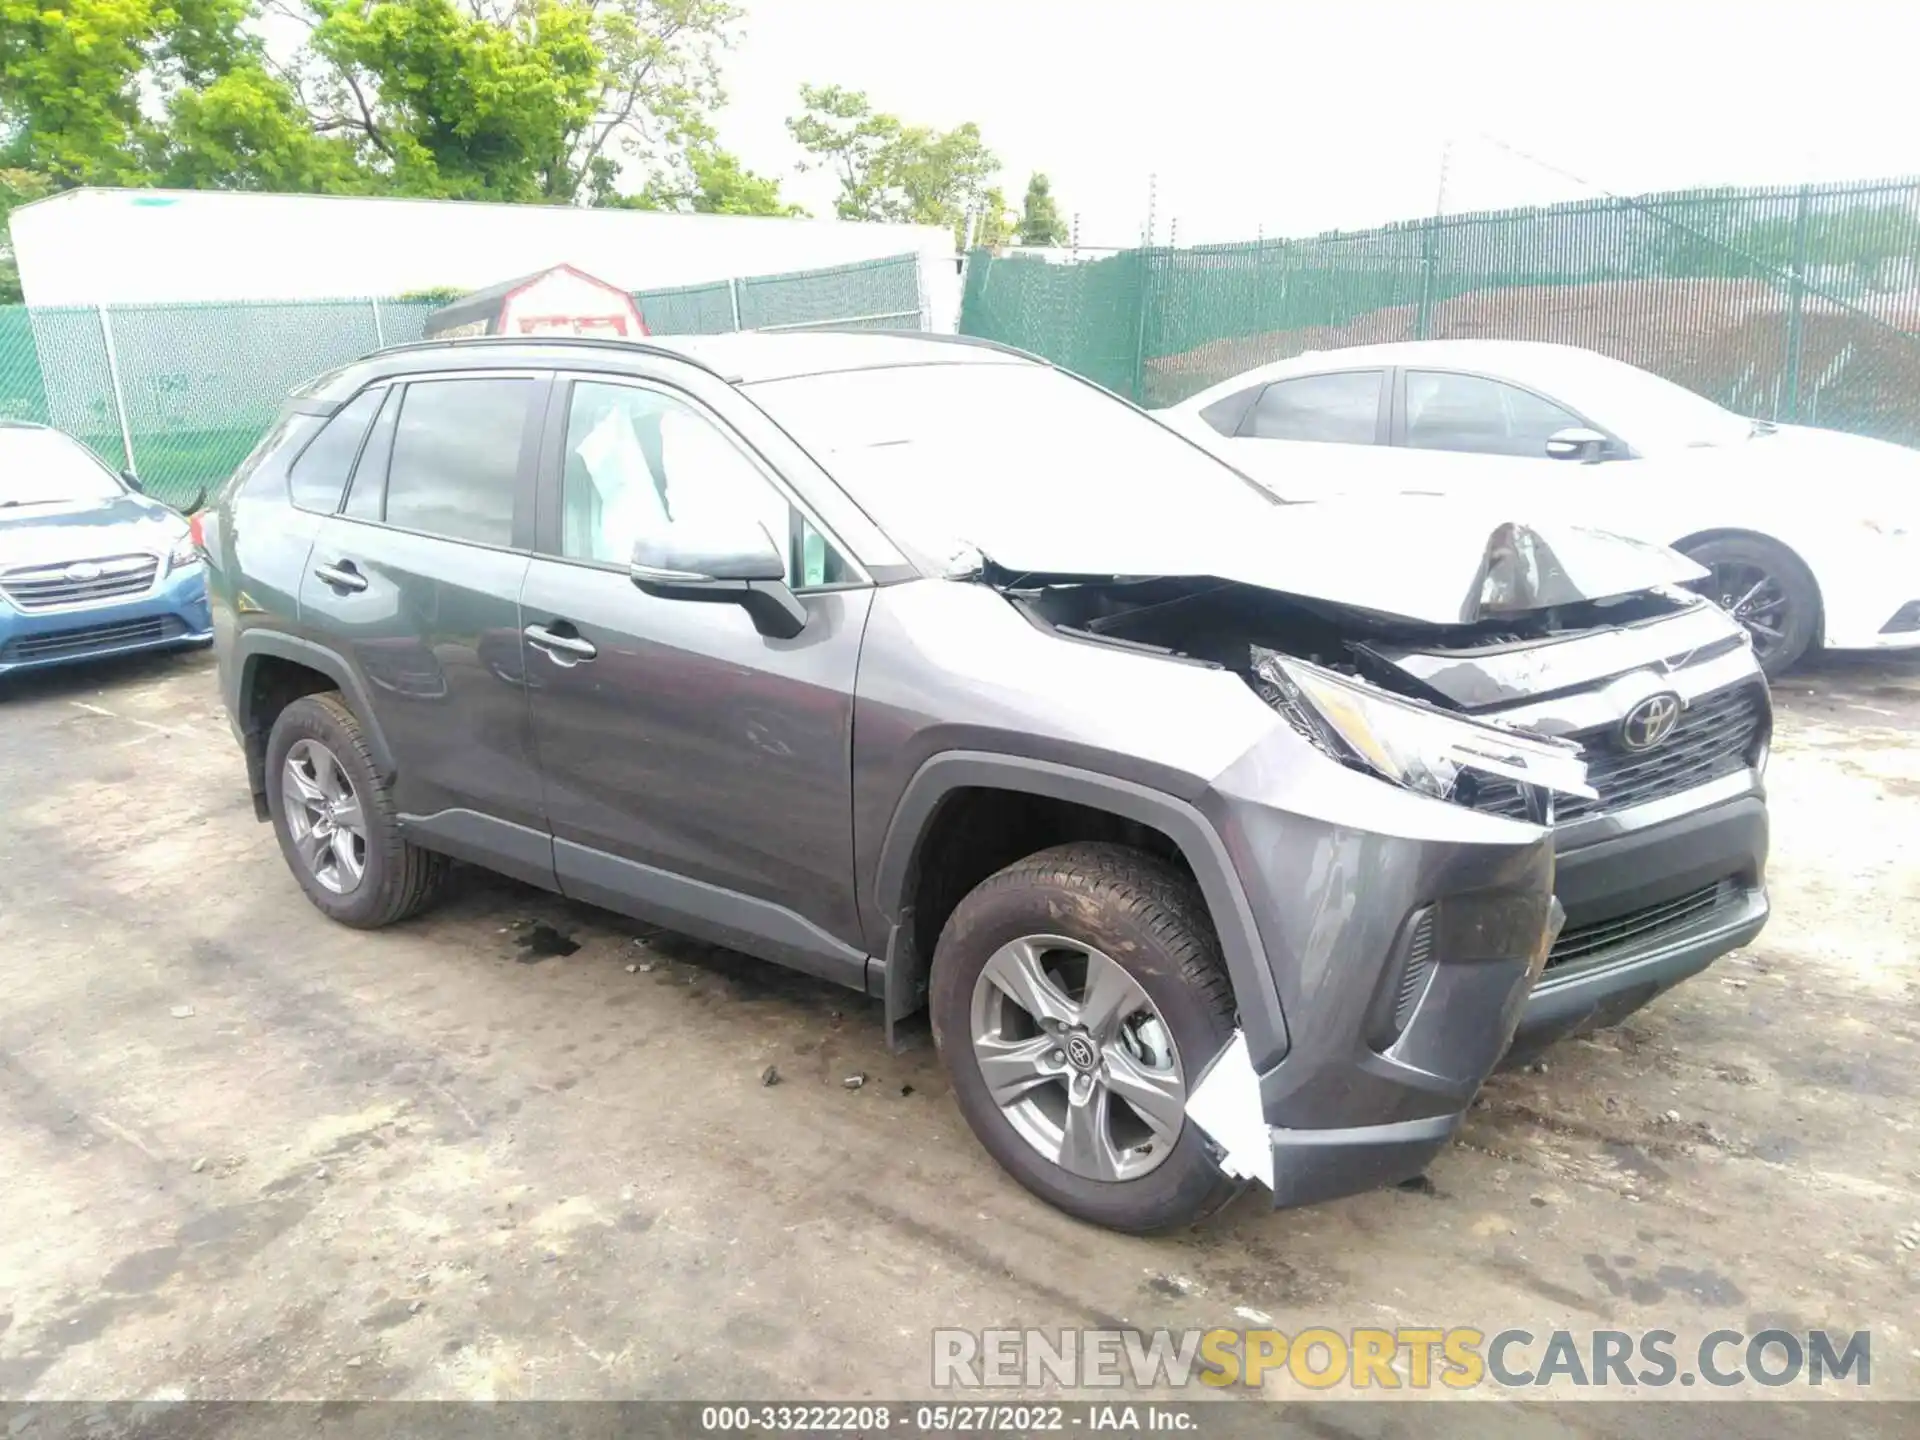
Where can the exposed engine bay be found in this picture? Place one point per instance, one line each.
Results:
(1225, 623)
(1389, 695)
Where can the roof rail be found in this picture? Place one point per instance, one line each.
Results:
(594, 342)
(937, 336)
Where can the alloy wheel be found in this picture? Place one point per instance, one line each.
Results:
(1078, 1058)
(324, 816)
(1756, 598)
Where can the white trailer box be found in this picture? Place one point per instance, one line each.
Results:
(116, 247)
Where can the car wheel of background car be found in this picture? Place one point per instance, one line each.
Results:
(1766, 588)
(335, 819)
(1076, 996)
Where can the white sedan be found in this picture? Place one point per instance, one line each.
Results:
(1811, 537)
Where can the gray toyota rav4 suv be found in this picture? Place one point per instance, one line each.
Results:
(1224, 839)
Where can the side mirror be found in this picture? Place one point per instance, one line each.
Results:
(133, 481)
(1576, 442)
(730, 560)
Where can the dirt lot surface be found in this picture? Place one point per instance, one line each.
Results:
(248, 1153)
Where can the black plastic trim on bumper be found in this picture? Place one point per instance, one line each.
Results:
(1314, 1165)
(1588, 998)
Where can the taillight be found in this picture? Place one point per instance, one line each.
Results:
(194, 530)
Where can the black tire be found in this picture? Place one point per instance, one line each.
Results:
(1793, 612)
(1150, 919)
(399, 879)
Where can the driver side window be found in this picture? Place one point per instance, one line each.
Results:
(1446, 411)
(638, 461)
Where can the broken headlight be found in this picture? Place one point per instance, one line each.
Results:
(1408, 742)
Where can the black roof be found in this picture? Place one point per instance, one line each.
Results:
(741, 358)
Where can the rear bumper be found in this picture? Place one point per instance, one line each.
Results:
(172, 615)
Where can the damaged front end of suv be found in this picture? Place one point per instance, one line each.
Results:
(1438, 675)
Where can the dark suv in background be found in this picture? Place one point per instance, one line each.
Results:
(1219, 835)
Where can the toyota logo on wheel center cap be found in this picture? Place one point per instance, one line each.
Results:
(1651, 721)
(1080, 1052)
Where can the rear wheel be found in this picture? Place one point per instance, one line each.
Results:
(335, 820)
(1765, 587)
(1076, 997)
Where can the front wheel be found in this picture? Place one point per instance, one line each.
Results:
(1076, 997)
(1768, 590)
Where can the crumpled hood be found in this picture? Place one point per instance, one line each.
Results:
(1429, 559)
(51, 534)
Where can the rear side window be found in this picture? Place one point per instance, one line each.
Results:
(320, 474)
(1341, 409)
(456, 453)
(367, 497)
(1225, 415)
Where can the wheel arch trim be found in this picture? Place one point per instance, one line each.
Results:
(1255, 992)
(255, 644)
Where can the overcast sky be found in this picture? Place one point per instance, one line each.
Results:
(1293, 116)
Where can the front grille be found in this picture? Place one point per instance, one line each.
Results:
(1718, 735)
(1597, 941)
(52, 587)
(67, 644)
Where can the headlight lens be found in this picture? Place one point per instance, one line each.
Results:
(184, 553)
(1411, 743)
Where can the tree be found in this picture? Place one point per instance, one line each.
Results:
(703, 179)
(889, 170)
(75, 76)
(516, 100)
(1040, 222)
(17, 187)
(994, 224)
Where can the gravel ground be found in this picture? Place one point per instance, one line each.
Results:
(251, 1154)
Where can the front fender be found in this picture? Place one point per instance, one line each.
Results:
(1195, 838)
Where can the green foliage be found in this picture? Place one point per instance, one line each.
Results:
(994, 224)
(17, 187)
(889, 170)
(433, 295)
(1040, 222)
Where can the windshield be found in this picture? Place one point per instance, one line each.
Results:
(1652, 414)
(44, 467)
(948, 456)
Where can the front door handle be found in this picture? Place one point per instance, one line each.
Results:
(342, 576)
(562, 649)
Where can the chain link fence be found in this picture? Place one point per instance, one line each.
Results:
(181, 393)
(1794, 303)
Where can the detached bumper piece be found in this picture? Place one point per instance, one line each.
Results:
(1438, 1026)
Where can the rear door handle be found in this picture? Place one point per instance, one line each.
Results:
(563, 649)
(342, 576)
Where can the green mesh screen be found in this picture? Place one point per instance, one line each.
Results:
(688, 309)
(1799, 303)
(189, 389)
(875, 294)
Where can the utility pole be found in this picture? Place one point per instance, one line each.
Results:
(1153, 195)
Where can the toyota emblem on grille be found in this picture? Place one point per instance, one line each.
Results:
(1651, 721)
(83, 571)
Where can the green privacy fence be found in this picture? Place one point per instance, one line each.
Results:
(1794, 303)
(183, 392)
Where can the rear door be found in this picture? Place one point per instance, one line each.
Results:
(1312, 436)
(417, 582)
(698, 773)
